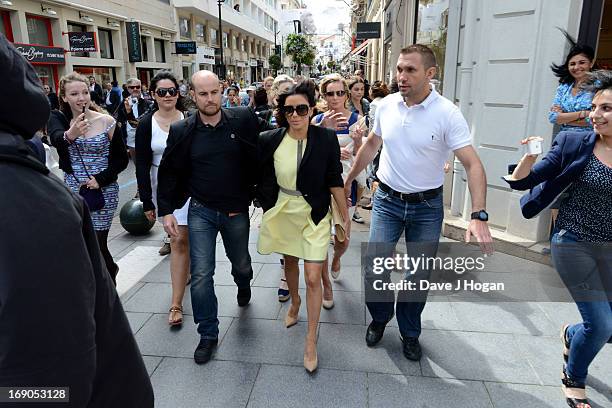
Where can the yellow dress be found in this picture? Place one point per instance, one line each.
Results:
(287, 228)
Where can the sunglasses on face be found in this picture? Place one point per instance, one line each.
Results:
(134, 87)
(301, 110)
(337, 93)
(161, 92)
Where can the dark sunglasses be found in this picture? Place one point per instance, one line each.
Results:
(302, 110)
(134, 87)
(161, 92)
(337, 93)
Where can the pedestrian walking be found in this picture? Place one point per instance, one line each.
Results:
(300, 170)
(357, 102)
(151, 137)
(580, 162)
(419, 128)
(52, 97)
(90, 154)
(52, 278)
(210, 157)
(335, 91)
(133, 108)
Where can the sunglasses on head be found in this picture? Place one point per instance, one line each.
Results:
(337, 93)
(301, 110)
(133, 86)
(161, 92)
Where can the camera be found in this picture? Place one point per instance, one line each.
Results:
(134, 100)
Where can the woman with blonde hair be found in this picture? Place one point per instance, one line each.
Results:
(90, 154)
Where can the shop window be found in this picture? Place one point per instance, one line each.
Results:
(243, 45)
(105, 38)
(200, 30)
(39, 30)
(143, 45)
(5, 25)
(77, 28)
(160, 51)
(184, 27)
(214, 40)
(432, 30)
(225, 45)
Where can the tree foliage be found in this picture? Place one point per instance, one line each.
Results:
(275, 62)
(300, 50)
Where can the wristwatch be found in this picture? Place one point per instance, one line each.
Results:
(481, 215)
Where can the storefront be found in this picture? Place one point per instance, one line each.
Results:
(103, 75)
(205, 57)
(253, 70)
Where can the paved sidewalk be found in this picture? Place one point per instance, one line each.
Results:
(501, 355)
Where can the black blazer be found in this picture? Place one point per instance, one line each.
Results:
(319, 170)
(568, 156)
(117, 158)
(175, 167)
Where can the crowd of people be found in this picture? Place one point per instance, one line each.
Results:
(305, 152)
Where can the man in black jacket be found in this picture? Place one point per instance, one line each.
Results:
(210, 157)
(133, 108)
(61, 321)
(95, 91)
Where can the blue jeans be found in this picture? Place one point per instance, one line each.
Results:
(587, 338)
(204, 226)
(421, 223)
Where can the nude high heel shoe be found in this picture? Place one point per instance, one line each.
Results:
(311, 364)
(292, 320)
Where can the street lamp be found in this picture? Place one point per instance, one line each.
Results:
(222, 67)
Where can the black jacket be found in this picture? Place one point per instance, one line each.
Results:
(319, 170)
(144, 160)
(175, 168)
(61, 320)
(117, 159)
(53, 100)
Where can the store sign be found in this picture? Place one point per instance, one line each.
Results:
(252, 62)
(82, 42)
(185, 47)
(205, 55)
(37, 54)
(368, 30)
(241, 64)
(133, 39)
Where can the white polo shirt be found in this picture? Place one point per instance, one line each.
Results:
(417, 141)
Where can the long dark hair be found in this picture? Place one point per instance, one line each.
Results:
(180, 102)
(305, 88)
(562, 71)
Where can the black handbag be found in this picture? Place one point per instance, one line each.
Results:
(93, 197)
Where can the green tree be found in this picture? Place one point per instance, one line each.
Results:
(275, 62)
(300, 50)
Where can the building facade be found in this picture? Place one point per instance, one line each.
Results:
(40, 31)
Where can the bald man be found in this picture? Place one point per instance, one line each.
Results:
(210, 157)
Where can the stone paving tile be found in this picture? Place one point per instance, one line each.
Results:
(264, 303)
(156, 338)
(223, 273)
(348, 308)
(181, 383)
(474, 356)
(283, 386)
(405, 391)
(521, 395)
(155, 298)
(343, 347)
(545, 355)
(151, 363)
(561, 313)
(503, 317)
(131, 292)
(117, 247)
(438, 314)
(137, 320)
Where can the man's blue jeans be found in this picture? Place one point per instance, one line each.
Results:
(421, 223)
(576, 263)
(204, 226)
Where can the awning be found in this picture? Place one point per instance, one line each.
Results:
(358, 50)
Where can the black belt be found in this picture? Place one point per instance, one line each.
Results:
(411, 197)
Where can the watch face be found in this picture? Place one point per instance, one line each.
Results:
(483, 216)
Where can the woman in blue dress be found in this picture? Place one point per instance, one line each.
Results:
(89, 154)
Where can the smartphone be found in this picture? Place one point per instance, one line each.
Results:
(84, 110)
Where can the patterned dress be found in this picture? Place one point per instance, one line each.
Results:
(94, 150)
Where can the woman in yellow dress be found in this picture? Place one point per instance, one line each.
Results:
(300, 171)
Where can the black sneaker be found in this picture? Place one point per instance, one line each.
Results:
(411, 348)
(375, 333)
(204, 351)
(244, 296)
